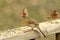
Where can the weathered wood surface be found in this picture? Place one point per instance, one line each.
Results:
(24, 33)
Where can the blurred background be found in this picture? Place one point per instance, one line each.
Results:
(38, 9)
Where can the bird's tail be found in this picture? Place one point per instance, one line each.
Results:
(42, 32)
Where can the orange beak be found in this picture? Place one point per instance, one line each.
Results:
(22, 14)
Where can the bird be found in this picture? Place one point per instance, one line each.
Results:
(53, 15)
(30, 21)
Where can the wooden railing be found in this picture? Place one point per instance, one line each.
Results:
(49, 27)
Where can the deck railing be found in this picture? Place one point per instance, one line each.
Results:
(49, 27)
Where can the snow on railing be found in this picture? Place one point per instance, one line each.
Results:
(47, 28)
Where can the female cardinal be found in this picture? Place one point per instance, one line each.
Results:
(28, 20)
(54, 15)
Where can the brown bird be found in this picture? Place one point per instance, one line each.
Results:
(29, 21)
(54, 15)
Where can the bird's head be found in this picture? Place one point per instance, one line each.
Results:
(24, 13)
(55, 11)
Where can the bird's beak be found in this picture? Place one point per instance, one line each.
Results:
(22, 14)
